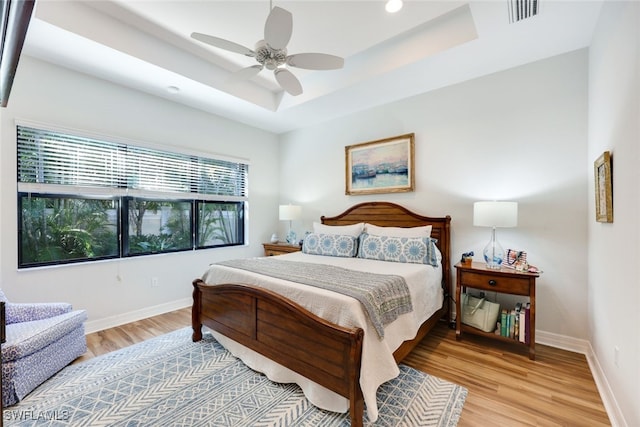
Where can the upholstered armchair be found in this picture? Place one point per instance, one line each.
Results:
(41, 339)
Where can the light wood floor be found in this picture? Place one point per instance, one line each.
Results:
(505, 387)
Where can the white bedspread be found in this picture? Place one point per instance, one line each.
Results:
(378, 364)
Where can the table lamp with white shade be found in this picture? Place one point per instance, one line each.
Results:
(494, 214)
(290, 213)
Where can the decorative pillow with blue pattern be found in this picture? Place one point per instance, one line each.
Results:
(330, 245)
(415, 250)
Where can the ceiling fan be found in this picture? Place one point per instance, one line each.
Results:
(271, 52)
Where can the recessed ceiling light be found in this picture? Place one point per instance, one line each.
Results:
(173, 89)
(393, 6)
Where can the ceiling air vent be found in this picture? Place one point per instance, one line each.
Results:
(522, 9)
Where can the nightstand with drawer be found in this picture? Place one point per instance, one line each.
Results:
(505, 280)
(271, 249)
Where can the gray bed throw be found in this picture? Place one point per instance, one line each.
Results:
(384, 296)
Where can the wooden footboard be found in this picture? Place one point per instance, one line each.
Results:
(286, 333)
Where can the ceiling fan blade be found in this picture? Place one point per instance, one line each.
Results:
(288, 81)
(278, 28)
(246, 73)
(315, 61)
(223, 44)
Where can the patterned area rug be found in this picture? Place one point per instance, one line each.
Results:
(170, 380)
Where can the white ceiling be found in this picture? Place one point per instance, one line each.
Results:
(146, 45)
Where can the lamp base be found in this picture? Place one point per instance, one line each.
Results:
(493, 254)
(291, 237)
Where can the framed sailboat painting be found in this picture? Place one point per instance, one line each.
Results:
(381, 166)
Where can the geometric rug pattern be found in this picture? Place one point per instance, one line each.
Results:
(171, 381)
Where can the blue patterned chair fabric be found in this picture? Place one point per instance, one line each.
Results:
(41, 339)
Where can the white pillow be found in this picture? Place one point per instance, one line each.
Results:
(345, 230)
(374, 230)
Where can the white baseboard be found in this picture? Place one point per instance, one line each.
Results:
(608, 399)
(132, 316)
(563, 342)
(584, 347)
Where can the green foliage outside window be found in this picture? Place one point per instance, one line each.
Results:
(169, 229)
(218, 223)
(65, 228)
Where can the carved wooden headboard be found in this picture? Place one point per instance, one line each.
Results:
(387, 214)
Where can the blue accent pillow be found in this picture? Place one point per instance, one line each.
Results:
(415, 250)
(330, 245)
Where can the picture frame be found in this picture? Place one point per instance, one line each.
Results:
(603, 188)
(380, 166)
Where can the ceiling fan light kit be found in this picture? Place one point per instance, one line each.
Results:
(271, 53)
(269, 57)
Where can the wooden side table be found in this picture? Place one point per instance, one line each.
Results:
(478, 276)
(271, 249)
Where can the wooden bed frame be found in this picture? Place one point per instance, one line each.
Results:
(290, 335)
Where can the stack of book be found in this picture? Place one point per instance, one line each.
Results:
(515, 324)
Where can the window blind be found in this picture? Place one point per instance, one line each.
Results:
(49, 157)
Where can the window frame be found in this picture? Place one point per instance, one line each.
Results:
(23, 195)
(209, 173)
(126, 247)
(241, 229)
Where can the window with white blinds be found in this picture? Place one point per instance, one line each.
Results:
(83, 199)
(49, 157)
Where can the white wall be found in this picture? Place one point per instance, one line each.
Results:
(614, 249)
(114, 291)
(516, 135)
